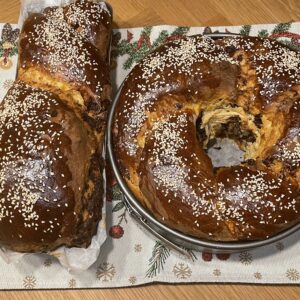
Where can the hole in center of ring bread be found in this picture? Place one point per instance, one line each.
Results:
(228, 134)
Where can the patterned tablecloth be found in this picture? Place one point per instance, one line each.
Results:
(131, 256)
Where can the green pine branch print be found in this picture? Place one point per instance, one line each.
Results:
(161, 38)
(263, 33)
(245, 30)
(136, 50)
(125, 47)
(160, 253)
(146, 31)
(281, 27)
(191, 254)
(179, 31)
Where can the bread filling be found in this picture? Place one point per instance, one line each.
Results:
(230, 123)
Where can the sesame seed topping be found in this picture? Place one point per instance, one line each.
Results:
(63, 50)
(162, 100)
(25, 165)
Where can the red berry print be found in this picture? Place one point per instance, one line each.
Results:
(116, 231)
(222, 256)
(206, 256)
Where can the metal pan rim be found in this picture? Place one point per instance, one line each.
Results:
(168, 233)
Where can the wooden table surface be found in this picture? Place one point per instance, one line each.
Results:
(131, 13)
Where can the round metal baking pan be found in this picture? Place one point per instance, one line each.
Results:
(169, 236)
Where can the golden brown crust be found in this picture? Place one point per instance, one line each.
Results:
(187, 93)
(52, 130)
(46, 154)
(93, 21)
(55, 57)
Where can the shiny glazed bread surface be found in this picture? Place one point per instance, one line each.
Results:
(183, 96)
(52, 129)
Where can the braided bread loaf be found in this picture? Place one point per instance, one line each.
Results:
(52, 126)
(189, 92)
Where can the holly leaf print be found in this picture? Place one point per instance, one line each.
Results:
(120, 205)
